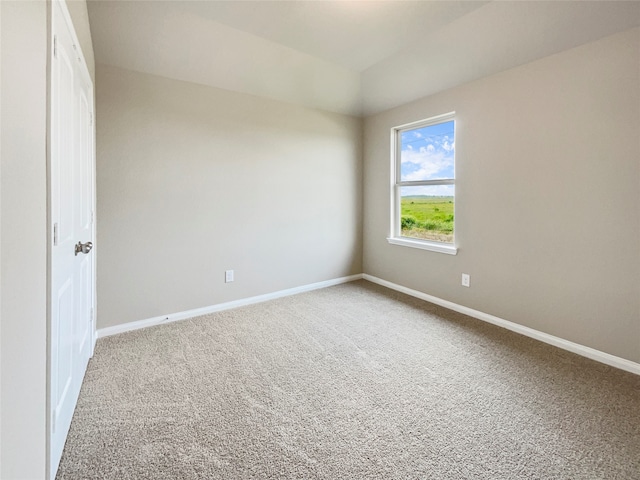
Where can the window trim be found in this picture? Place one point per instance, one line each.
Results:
(395, 238)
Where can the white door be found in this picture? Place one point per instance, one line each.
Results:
(72, 264)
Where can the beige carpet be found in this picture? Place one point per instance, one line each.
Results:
(350, 382)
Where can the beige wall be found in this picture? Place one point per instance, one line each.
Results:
(548, 196)
(23, 245)
(194, 180)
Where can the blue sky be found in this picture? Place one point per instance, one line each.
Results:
(427, 154)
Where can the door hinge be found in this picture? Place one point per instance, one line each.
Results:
(53, 422)
(55, 46)
(91, 216)
(91, 119)
(91, 315)
(55, 234)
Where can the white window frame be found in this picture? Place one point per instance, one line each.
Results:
(395, 237)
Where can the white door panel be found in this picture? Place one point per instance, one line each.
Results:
(72, 197)
(83, 331)
(64, 304)
(84, 226)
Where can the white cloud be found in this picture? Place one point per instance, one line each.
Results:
(429, 163)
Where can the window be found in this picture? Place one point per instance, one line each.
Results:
(423, 195)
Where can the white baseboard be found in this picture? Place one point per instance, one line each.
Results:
(174, 317)
(582, 350)
(588, 352)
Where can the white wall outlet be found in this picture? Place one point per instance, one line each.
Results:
(466, 279)
(228, 276)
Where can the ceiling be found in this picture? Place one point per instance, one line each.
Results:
(352, 57)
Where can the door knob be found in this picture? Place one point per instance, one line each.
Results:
(83, 247)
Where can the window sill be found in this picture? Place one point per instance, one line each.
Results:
(421, 244)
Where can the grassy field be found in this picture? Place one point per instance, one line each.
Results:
(429, 218)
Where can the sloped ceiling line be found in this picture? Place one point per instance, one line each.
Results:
(350, 57)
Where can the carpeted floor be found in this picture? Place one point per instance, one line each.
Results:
(349, 382)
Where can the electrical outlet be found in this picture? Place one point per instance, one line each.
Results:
(228, 276)
(466, 279)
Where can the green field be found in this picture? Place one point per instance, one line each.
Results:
(426, 217)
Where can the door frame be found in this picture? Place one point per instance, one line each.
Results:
(66, 16)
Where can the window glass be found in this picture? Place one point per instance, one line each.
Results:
(427, 212)
(427, 153)
(424, 187)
